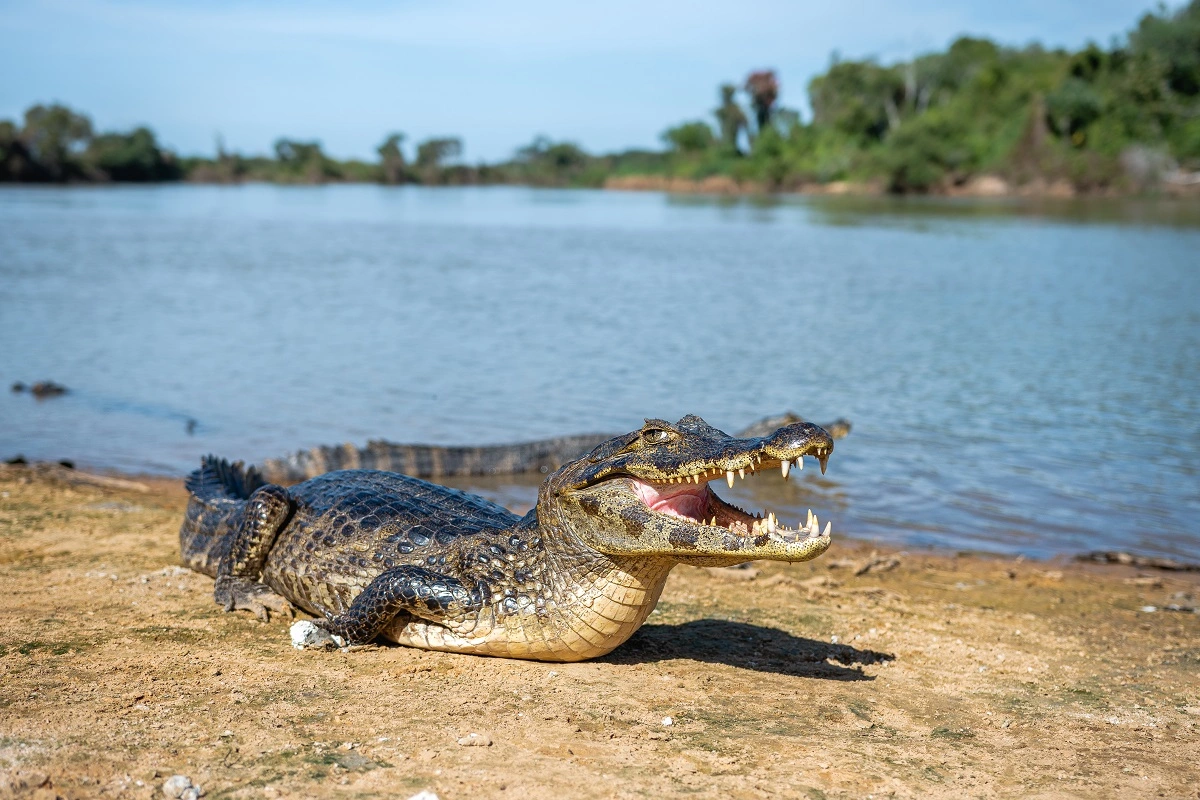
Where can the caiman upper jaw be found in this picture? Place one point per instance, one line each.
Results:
(708, 453)
(655, 488)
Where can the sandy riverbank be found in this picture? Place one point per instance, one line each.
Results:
(950, 676)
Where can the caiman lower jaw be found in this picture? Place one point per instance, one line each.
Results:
(696, 502)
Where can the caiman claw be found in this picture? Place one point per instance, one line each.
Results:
(235, 594)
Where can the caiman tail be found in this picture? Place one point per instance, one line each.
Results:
(218, 494)
(433, 461)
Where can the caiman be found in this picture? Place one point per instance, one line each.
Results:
(434, 461)
(379, 554)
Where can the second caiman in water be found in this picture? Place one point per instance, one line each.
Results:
(439, 461)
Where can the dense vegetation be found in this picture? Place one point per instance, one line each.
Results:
(1121, 118)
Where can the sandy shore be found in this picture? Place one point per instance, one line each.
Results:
(924, 675)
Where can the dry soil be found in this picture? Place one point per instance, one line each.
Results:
(927, 675)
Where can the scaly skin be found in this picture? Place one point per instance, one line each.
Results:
(434, 461)
(381, 554)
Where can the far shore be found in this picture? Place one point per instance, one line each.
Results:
(1186, 186)
(979, 186)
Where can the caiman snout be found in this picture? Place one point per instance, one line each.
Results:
(787, 440)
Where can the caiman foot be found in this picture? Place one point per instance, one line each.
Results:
(239, 594)
(403, 589)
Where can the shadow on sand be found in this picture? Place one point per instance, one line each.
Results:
(740, 644)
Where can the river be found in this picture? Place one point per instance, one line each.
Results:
(1021, 380)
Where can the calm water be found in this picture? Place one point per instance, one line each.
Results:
(1018, 383)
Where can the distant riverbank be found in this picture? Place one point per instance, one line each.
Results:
(985, 186)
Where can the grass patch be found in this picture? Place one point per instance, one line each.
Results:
(169, 633)
(53, 648)
(1085, 697)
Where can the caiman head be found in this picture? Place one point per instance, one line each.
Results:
(647, 493)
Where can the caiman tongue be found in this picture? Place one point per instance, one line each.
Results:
(696, 502)
(681, 501)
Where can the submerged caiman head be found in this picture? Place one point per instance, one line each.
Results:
(647, 494)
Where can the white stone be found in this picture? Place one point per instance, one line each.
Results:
(307, 636)
(176, 785)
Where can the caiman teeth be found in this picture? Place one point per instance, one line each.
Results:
(771, 527)
(784, 466)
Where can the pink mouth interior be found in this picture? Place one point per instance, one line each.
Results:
(681, 501)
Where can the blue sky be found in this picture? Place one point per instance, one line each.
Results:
(605, 75)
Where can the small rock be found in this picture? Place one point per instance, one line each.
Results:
(180, 787)
(476, 740)
(43, 389)
(424, 794)
(307, 636)
(667, 721)
(877, 563)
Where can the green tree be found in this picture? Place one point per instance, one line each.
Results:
(924, 152)
(1174, 41)
(434, 153)
(547, 163)
(303, 161)
(857, 98)
(391, 159)
(16, 164)
(133, 156)
(54, 136)
(690, 137)
(731, 119)
(1072, 107)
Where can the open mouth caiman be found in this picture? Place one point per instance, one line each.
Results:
(376, 553)
(436, 461)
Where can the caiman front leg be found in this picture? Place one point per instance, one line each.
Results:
(403, 589)
(238, 587)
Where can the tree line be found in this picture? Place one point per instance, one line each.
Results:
(1115, 118)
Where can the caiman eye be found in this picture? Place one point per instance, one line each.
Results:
(656, 436)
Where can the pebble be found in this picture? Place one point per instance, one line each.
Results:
(668, 721)
(476, 740)
(180, 787)
(424, 794)
(307, 636)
